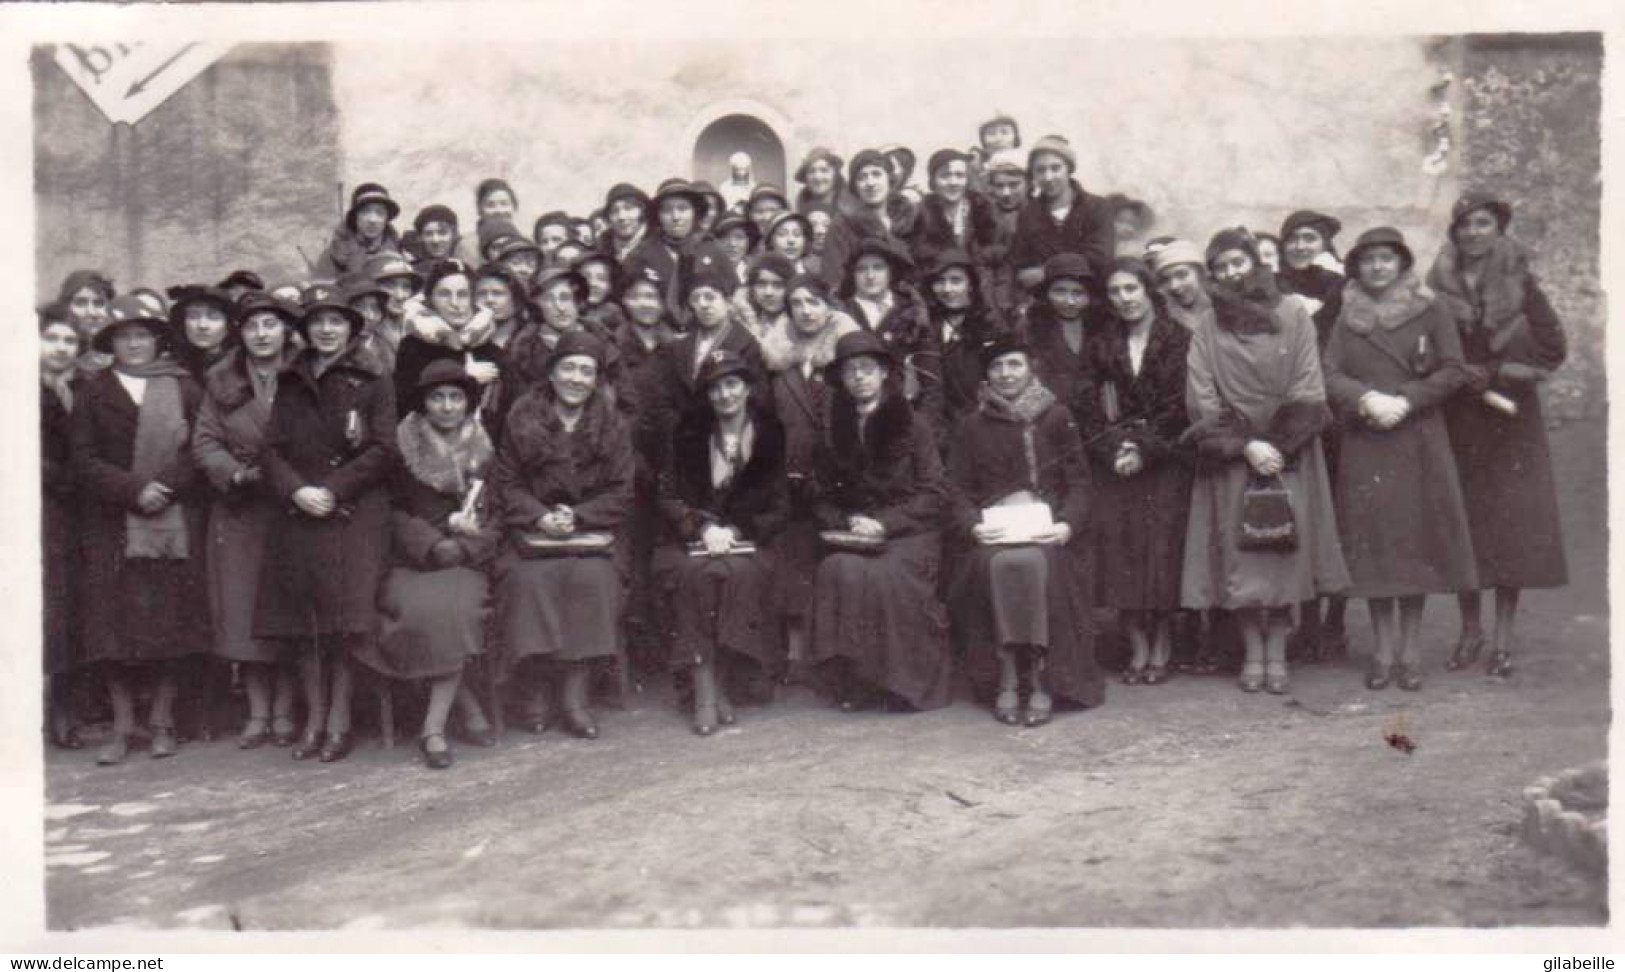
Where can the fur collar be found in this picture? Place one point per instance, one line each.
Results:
(1312, 281)
(428, 326)
(1027, 408)
(1500, 285)
(784, 347)
(1362, 312)
(888, 433)
(228, 382)
(445, 466)
(536, 429)
(691, 450)
(1234, 313)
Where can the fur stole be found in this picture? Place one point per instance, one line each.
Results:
(887, 435)
(428, 326)
(1362, 313)
(444, 465)
(785, 347)
(1240, 315)
(1501, 285)
(538, 436)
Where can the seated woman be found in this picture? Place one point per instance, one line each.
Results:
(876, 621)
(723, 485)
(564, 469)
(1393, 360)
(1141, 474)
(1027, 605)
(436, 598)
(142, 598)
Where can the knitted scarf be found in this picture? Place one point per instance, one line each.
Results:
(445, 464)
(1499, 295)
(1363, 312)
(1025, 410)
(161, 433)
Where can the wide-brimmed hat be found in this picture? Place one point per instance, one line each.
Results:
(545, 280)
(857, 344)
(445, 371)
(127, 310)
(325, 295)
(813, 155)
(999, 118)
(185, 296)
(679, 189)
(902, 267)
(625, 190)
(1479, 199)
(383, 266)
(257, 302)
(719, 364)
(577, 342)
(247, 279)
(370, 192)
(362, 284)
(764, 190)
(1380, 236)
(1068, 266)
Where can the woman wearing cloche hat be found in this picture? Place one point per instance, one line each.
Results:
(1061, 217)
(367, 229)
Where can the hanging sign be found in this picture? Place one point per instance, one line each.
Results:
(127, 81)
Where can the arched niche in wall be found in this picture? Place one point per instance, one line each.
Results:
(738, 126)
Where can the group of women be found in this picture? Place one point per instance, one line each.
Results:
(872, 437)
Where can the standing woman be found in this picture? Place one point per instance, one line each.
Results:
(1393, 360)
(141, 522)
(1512, 339)
(1060, 218)
(760, 304)
(951, 216)
(203, 317)
(238, 396)
(626, 208)
(876, 622)
(1257, 403)
(962, 321)
(455, 329)
(59, 495)
(561, 298)
(564, 468)
(436, 598)
(1023, 607)
(368, 229)
(329, 452)
(1057, 325)
(723, 485)
(1132, 425)
(84, 296)
(822, 183)
(495, 199)
(883, 302)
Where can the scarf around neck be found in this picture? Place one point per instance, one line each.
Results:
(1364, 312)
(1025, 408)
(445, 464)
(161, 433)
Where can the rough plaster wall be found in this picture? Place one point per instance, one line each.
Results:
(1211, 133)
(1532, 127)
(230, 171)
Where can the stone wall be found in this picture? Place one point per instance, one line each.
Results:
(230, 171)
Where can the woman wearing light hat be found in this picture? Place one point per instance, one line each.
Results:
(1061, 218)
(1513, 340)
(1393, 360)
(877, 627)
(823, 182)
(1022, 611)
(1257, 404)
(722, 485)
(141, 521)
(564, 468)
(329, 453)
(435, 598)
(230, 434)
(367, 230)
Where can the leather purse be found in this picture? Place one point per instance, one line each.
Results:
(1267, 520)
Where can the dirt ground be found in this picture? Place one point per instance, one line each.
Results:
(1185, 805)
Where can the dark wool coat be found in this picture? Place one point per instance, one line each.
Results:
(1007, 295)
(336, 430)
(59, 532)
(962, 371)
(934, 231)
(879, 611)
(133, 610)
(672, 391)
(907, 333)
(564, 607)
(1400, 512)
(416, 354)
(722, 603)
(199, 362)
(802, 405)
(675, 265)
(347, 252)
(1068, 374)
(1138, 521)
(1087, 229)
(228, 437)
(988, 459)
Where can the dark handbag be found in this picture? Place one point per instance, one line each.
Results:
(1267, 522)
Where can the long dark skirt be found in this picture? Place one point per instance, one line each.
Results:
(719, 606)
(60, 548)
(429, 622)
(562, 608)
(881, 613)
(1139, 527)
(1070, 670)
(798, 551)
(158, 610)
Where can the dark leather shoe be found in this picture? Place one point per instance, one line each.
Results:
(1377, 678)
(337, 746)
(435, 758)
(580, 724)
(1466, 652)
(114, 750)
(1499, 665)
(309, 745)
(1407, 678)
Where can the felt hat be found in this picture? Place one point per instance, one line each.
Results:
(591, 255)
(441, 269)
(628, 192)
(942, 157)
(813, 155)
(1005, 160)
(579, 342)
(1054, 145)
(813, 282)
(732, 221)
(857, 344)
(1327, 226)
(488, 186)
(905, 159)
(945, 260)
(765, 190)
(999, 119)
(435, 213)
(719, 364)
(1233, 238)
(1000, 344)
(1174, 253)
(1479, 199)
(445, 371)
(185, 296)
(638, 270)
(777, 264)
(902, 268)
(80, 279)
(1068, 266)
(247, 279)
(719, 278)
(556, 217)
(544, 281)
(491, 229)
(370, 192)
(361, 284)
(127, 310)
(1380, 236)
(790, 216)
(383, 266)
(256, 302)
(680, 189)
(865, 159)
(324, 295)
(506, 246)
